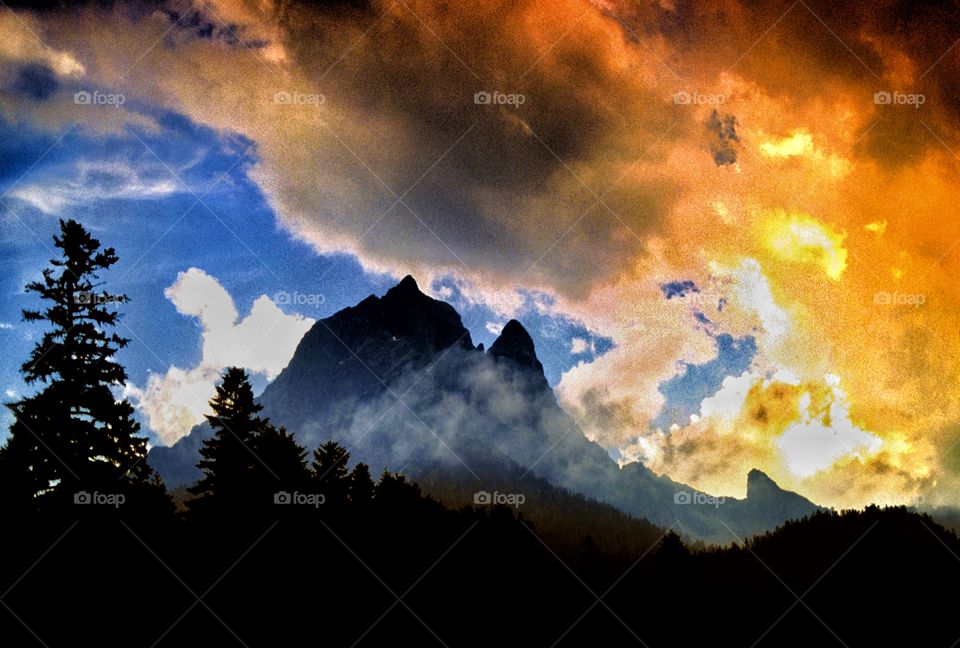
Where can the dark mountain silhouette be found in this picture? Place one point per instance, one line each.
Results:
(398, 381)
(515, 345)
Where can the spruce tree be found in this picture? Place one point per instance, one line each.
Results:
(361, 485)
(74, 433)
(330, 472)
(393, 490)
(286, 458)
(231, 467)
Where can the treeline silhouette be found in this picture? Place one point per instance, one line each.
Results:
(275, 547)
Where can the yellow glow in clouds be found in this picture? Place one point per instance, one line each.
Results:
(797, 144)
(801, 238)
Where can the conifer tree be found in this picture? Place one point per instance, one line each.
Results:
(361, 485)
(393, 489)
(286, 459)
(330, 472)
(74, 433)
(229, 460)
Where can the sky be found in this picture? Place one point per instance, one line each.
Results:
(730, 227)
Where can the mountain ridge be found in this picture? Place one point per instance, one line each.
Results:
(398, 381)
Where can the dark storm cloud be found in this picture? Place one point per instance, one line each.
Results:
(549, 134)
(723, 136)
(812, 50)
(132, 7)
(35, 81)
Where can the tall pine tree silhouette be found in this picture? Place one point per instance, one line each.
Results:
(330, 473)
(232, 469)
(74, 433)
(361, 485)
(286, 458)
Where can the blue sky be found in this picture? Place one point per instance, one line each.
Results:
(695, 382)
(139, 192)
(231, 234)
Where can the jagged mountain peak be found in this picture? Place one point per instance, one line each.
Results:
(406, 288)
(406, 312)
(517, 345)
(759, 483)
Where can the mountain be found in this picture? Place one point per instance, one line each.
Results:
(516, 346)
(398, 381)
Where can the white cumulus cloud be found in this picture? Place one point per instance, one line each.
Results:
(262, 342)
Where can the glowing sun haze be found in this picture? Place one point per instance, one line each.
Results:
(766, 153)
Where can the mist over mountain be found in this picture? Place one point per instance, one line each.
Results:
(398, 381)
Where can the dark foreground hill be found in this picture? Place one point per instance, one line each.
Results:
(404, 570)
(398, 381)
